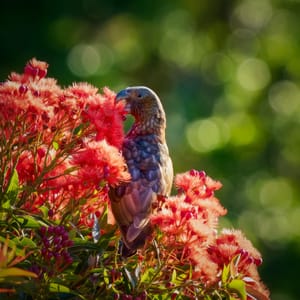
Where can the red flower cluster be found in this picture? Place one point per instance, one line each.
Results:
(189, 221)
(64, 143)
(61, 148)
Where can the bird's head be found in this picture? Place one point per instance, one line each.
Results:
(145, 106)
(141, 102)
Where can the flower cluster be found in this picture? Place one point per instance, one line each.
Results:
(188, 225)
(55, 244)
(54, 252)
(59, 153)
(63, 143)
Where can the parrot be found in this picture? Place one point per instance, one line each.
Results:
(147, 157)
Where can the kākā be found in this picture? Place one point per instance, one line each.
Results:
(148, 161)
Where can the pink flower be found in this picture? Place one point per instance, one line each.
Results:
(232, 243)
(64, 142)
(35, 68)
(232, 247)
(97, 161)
(189, 220)
(187, 224)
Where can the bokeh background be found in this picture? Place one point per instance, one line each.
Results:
(228, 73)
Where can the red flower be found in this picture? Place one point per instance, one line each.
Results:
(231, 243)
(36, 68)
(204, 269)
(62, 141)
(196, 201)
(188, 223)
(196, 185)
(99, 162)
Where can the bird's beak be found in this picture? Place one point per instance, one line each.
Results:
(122, 95)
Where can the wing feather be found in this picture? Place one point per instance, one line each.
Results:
(151, 170)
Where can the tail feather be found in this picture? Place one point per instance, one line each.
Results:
(127, 249)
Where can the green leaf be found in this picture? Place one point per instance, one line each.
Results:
(10, 243)
(225, 273)
(14, 182)
(12, 190)
(28, 221)
(106, 276)
(44, 210)
(55, 145)
(103, 219)
(15, 272)
(83, 245)
(25, 242)
(174, 275)
(238, 286)
(147, 275)
(78, 130)
(70, 170)
(59, 288)
(104, 241)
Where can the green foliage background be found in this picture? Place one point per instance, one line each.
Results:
(228, 74)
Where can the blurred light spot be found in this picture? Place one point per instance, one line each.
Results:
(252, 187)
(253, 74)
(217, 68)
(293, 66)
(243, 41)
(178, 20)
(284, 97)
(243, 129)
(271, 227)
(294, 219)
(129, 52)
(276, 193)
(178, 48)
(238, 98)
(207, 134)
(280, 48)
(175, 127)
(181, 43)
(290, 153)
(280, 44)
(275, 219)
(123, 35)
(178, 42)
(83, 60)
(253, 13)
(106, 58)
(282, 22)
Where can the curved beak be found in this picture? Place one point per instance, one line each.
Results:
(122, 95)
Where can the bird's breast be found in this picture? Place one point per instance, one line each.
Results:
(143, 158)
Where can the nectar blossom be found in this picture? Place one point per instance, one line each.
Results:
(63, 143)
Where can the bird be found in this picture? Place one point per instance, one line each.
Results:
(147, 157)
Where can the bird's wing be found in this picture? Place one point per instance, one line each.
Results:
(151, 174)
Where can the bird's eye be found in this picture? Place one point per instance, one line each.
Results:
(139, 95)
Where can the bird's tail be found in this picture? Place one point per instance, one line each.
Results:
(127, 249)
